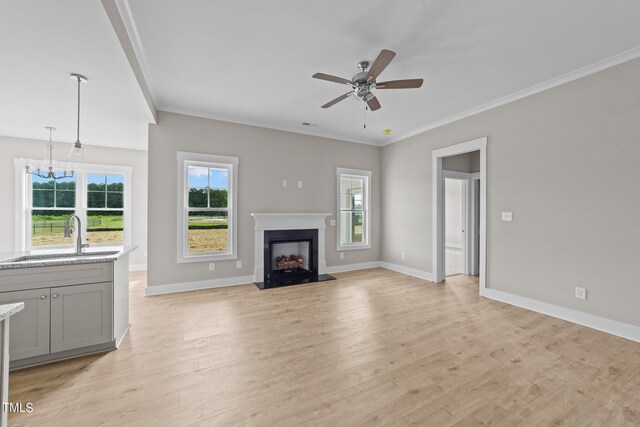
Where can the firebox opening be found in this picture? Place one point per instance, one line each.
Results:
(288, 257)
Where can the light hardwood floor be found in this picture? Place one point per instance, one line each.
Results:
(374, 347)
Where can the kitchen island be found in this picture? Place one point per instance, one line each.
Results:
(74, 304)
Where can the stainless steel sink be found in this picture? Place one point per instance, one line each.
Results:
(57, 257)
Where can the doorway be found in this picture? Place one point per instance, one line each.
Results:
(472, 207)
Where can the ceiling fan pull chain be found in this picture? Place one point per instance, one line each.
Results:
(364, 117)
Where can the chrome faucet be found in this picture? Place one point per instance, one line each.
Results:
(67, 232)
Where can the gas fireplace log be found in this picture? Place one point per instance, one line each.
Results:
(290, 262)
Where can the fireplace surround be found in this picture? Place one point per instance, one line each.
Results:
(290, 249)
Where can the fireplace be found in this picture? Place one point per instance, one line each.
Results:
(289, 249)
(290, 256)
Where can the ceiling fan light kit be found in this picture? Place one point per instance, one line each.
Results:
(363, 84)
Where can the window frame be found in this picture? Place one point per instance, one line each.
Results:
(365, 175)
(185, 160)
(24, 204)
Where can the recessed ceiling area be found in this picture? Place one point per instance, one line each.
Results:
(41, 43)
(251, 62)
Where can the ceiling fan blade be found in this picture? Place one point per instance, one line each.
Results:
(338, 99)
(374, 104)
(381, 62)
(400, 84)
(331, 78)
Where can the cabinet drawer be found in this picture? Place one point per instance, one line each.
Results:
(29, 328)
(60, 275)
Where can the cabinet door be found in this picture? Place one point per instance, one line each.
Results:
(29, 328)
(81, 316)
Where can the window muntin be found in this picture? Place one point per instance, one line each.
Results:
(353, 209)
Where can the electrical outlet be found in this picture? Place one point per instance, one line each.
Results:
(212, 266)
(507, 216)
(341, 255)
(299, 184)
(238, 264)
(402, 255)
(284, 183)
(581, 293)
(332, 222)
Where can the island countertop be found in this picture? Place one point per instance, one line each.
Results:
(49, 258)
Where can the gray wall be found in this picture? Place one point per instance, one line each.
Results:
(12, 148)
(266, 158)
(566, 163)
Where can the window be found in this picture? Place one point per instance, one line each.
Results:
(52, 202)
(98, 194)
(353, 209)
(206, 200)
(105, 208)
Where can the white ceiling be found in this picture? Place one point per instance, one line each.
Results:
(252, 61)
(41, 43)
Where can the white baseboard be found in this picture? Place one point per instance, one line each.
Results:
(119, 339)
(352, 267)
(137, 267)
(408, 270)
(198, 285)
(613, 327)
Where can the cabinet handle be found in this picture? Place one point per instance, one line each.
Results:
(43, 297)
(54, 296)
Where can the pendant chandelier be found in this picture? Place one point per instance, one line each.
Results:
(48, 163)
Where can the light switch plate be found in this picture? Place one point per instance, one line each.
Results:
(332, 222)
(284, 183)
(507, 216)
(299, 184)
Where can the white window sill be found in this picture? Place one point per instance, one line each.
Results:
(353, 247)
(206, 258)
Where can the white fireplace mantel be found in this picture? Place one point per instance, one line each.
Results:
(288, 221)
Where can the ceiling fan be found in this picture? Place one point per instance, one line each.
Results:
(363, 82)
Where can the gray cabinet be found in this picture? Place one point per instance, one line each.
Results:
(81, 316)
(70, 310)
(29, 335)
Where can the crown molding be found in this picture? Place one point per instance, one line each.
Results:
(610, 62)
(221, 118)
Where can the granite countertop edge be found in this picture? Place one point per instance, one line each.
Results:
(7, 258)
(8, 310)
